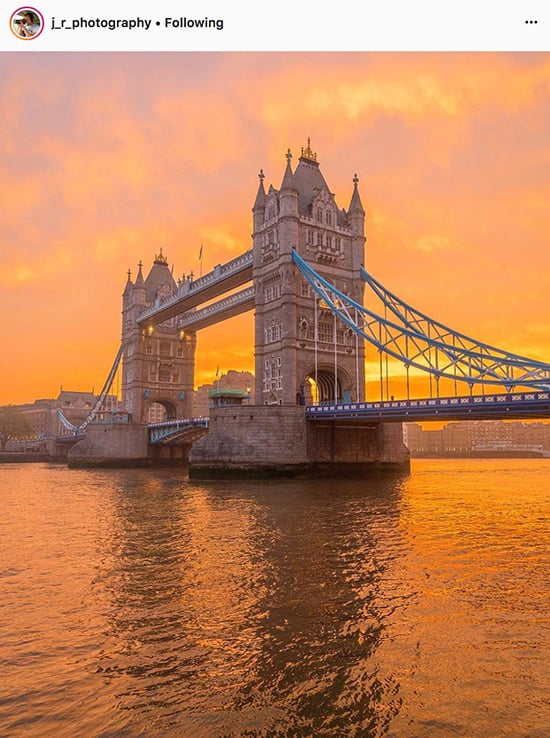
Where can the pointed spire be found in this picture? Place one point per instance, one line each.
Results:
(259, 203)
(288, 179)
(139, 278)
(355, 205)
(129, 284)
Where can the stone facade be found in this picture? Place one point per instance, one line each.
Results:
(303, 215)
(158, 363)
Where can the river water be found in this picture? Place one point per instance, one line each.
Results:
(138, 603)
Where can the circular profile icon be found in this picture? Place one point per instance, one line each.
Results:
(27, 23)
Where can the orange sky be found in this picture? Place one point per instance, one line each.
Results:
(106, 157)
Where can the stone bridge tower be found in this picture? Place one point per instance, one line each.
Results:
(157, 363)
(292, 367)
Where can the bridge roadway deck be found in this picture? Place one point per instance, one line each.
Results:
(516, 406)
(177, 432)
(219, 281)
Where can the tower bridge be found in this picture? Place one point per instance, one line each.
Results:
(305, 279)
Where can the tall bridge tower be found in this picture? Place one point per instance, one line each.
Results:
(302, 353)
(158, 364)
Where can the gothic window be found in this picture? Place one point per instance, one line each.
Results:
(329, 217)
(309, 237)
(320, 215)
(329, 242)
(179, 352)
(304, 289)
(272, 292)
(164, 348)
(149, 348)
(326, 331)
(273, 374)
(273, 333)
(164, 374)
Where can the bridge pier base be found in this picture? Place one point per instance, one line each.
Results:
(116, 445)
(267, 441)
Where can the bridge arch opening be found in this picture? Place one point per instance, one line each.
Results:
(160, 410)
(323, 385)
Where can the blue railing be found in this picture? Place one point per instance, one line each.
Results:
(526, 404)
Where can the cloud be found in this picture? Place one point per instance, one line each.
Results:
(115, 155)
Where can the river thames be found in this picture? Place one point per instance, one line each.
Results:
(139, 603)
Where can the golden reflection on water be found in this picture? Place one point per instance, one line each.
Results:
(142, 604)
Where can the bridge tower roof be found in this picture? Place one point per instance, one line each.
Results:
(308, 181)
(159, 278)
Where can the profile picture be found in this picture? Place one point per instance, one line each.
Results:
(27, 23)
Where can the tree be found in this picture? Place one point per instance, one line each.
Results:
(13, 424)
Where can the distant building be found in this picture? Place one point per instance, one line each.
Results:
(42, 414)
(243, 382)
(477, 437)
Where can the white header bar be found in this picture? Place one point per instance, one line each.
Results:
(287, 25)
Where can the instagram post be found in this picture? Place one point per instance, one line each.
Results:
(275, 378)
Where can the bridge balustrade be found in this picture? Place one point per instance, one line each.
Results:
(535, 404)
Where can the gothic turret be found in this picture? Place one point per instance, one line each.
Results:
(288, 210)
(288, 178)
(258, 208)
(129, 285)
(356, 218)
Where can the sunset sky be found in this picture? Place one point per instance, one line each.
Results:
(105, 158)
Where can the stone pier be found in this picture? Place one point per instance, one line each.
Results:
(269, 441)
(111, 445)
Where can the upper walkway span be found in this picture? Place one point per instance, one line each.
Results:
(190, 294)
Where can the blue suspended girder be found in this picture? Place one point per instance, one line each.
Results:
(426, 326)
(424, 344)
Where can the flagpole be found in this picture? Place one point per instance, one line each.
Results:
(200, 260)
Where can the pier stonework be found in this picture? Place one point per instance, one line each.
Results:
(268, 441)
(111, 446)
